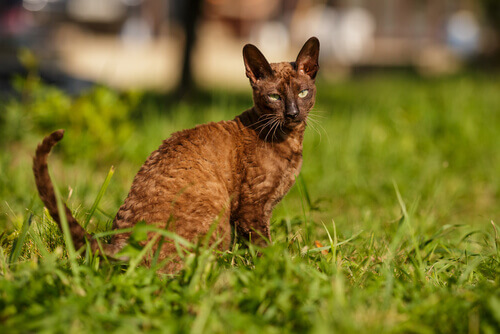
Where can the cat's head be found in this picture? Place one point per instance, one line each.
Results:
(283, 93)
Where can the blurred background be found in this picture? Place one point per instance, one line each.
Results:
(167, 45)
(408, 95)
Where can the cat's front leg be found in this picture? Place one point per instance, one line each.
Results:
(254, 226)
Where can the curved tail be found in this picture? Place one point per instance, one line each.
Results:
(46, 189)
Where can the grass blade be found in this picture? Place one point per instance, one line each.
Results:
(100, 194)
(414, 240)
(65, 229)
(303, 186)
(137, 260)
(302, 195)
(333, 242)
(319, 249)
(19, 242)
(69, 242)
(497, 240)
(39, 243)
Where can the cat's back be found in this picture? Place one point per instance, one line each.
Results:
(190, 155)
(204, 137)
(202, 146)
(190, 165)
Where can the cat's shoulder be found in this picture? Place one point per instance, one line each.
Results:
(205, 132)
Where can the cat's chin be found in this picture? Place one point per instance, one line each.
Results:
(293, 124)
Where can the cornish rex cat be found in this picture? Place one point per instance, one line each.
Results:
(230, 172)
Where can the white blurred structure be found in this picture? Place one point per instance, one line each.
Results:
(463, 33)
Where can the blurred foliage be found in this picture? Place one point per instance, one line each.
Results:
(99, 117)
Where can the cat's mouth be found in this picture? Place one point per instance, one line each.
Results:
(293, 122)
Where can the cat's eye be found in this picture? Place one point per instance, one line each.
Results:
(274, 97)
(303, 93)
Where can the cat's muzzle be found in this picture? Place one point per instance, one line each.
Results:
(292, 112)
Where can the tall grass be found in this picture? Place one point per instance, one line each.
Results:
(391, 227)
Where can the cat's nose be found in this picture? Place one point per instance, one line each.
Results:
(292, 112)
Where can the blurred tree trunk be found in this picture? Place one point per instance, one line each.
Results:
(491, 9)
(190, 16)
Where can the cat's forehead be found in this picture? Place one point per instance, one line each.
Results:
(284, 70)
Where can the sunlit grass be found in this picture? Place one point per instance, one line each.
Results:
(392, 226)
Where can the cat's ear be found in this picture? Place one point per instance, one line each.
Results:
(307, 60)
(256, 65)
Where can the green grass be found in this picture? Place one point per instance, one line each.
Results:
(400, 185)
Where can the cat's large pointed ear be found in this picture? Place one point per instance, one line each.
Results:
(307, 60)
(256, 65)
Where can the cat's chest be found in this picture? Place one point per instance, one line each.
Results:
(280, 166)
(272, 172)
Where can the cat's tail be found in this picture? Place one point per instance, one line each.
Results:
(47, 193)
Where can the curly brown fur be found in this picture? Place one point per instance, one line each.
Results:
(46, 188)
(230, 172)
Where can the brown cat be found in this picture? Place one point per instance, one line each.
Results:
(233, 172)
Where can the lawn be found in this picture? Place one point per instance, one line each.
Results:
(392, 226)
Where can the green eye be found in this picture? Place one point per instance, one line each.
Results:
(303, 93)
(274, 97)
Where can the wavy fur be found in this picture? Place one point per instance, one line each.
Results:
(46, 188)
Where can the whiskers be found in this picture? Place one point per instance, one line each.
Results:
(270, 123)
(314, 121)
(269, 126)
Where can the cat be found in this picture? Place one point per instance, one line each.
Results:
(231, 173)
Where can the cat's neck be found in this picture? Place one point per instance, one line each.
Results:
(251, 119)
